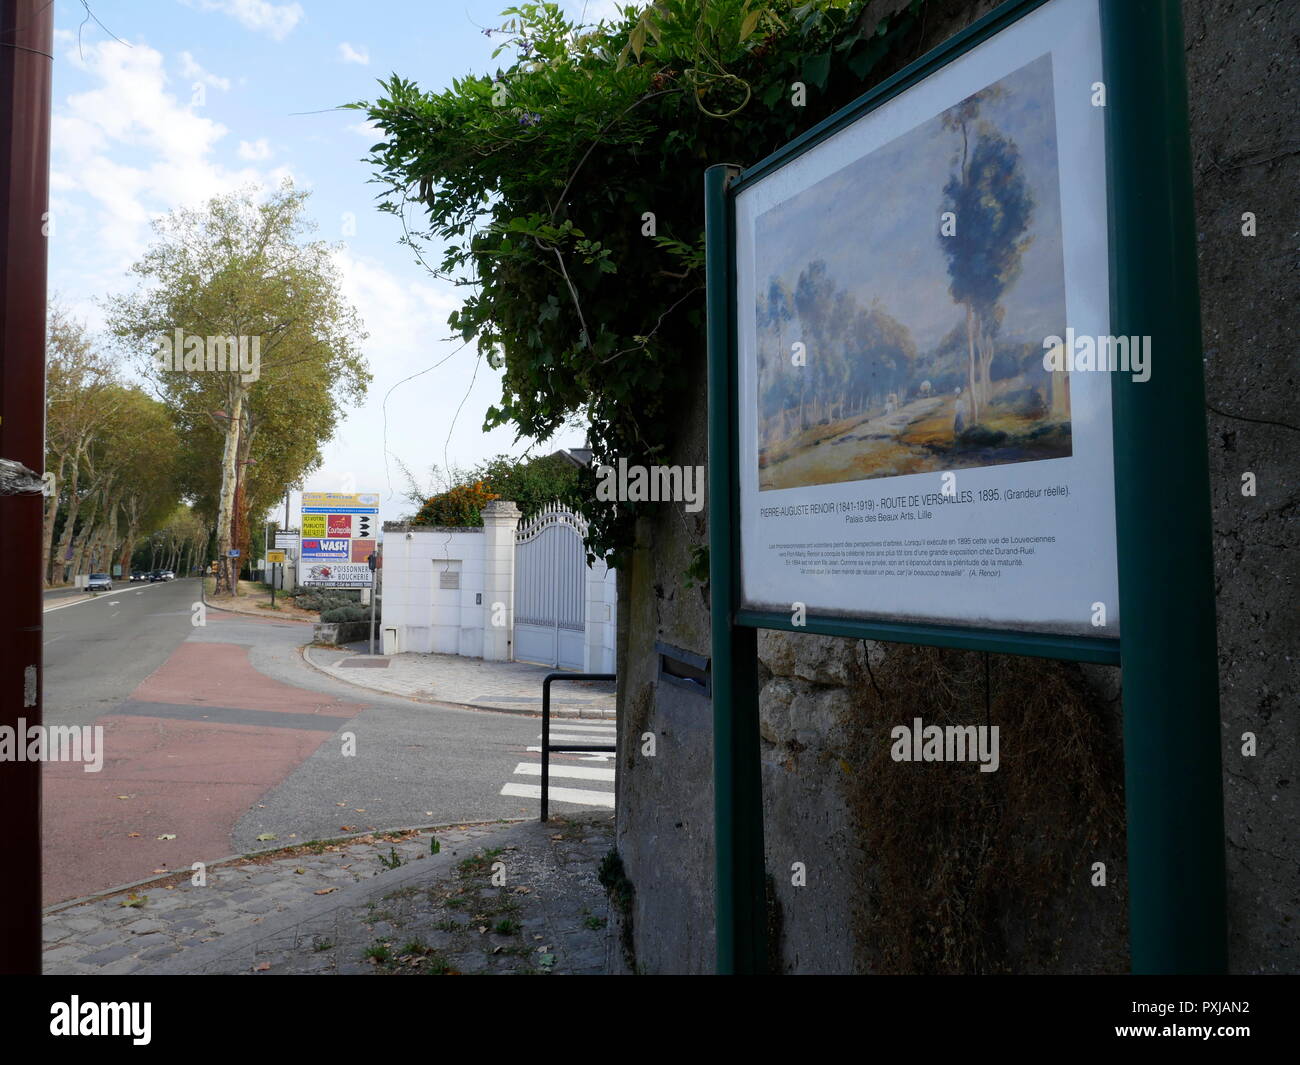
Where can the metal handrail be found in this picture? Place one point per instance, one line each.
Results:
(546, 731)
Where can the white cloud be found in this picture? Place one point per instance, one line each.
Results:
(126, 151)
(258, 149)
(275, 20)
(354, 55)
(191, 69)
(366, 129)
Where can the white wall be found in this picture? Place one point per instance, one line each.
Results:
(602, 618)
(428, 617)
(423, 617)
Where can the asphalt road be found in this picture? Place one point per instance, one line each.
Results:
(217, 734)
(98, 650)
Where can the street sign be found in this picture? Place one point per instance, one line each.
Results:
(275, 557)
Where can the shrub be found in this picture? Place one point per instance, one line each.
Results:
(460, 506)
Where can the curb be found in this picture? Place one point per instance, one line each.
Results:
(518, 711)
(108, 893)
(437, 866)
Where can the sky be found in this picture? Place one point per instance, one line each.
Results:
(895, 194)
(162, 104)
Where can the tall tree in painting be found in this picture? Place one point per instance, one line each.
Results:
(993, 207)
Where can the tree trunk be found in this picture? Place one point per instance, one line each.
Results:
(82, 540)
(51, 515)
(61, 560)
(971, 383)
(226, 501)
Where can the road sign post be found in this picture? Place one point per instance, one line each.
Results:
(274, 559)
(372, 562)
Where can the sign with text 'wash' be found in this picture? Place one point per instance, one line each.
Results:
(332, 523)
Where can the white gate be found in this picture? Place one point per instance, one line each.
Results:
(550, 589)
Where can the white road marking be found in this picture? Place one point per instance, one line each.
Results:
(590, 756)
(77, 602)
(576, 772)
(576, 796)
(608, 729)
(568, 737)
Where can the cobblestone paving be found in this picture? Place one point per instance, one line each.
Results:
(515, 897)
(515, 686)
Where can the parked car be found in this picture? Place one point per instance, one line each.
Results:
(99, 582)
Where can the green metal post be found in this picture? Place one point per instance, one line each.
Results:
(737, 780)
(1166, 565)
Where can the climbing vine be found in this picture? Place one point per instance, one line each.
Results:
(563, 196)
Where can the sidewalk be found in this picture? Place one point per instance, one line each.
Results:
(497, 898)
(513, 687)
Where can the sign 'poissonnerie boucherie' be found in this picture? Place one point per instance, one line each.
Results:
(338, 535)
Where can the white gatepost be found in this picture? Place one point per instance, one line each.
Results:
(500, 519)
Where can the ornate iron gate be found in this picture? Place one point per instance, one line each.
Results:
(550, 589)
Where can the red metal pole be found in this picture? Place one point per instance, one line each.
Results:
(26, 42)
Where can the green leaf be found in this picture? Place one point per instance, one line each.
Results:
(862, 63)
(816, 69)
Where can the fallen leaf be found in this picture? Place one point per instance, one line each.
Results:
(265, 836)
(300, 870)
(168, 835)
(134, 901)
(163, 870)
(359, 811)
(546, 961)
(132, 835)
(340, 804)
(262, 968)
(124, 796)
(347, 828)
(482, 928)
(522, 889)
(325, 890)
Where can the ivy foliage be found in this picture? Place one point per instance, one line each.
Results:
(565, 194)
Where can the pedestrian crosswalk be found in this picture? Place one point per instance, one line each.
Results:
(590, 769)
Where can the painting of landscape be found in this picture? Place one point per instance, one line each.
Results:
(902, 301)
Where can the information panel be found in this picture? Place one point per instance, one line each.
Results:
(924, 367)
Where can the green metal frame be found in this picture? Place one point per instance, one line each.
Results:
(1171, 720)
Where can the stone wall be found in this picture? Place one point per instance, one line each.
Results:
(959, 873)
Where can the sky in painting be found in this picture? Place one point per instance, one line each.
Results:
(876, 222)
